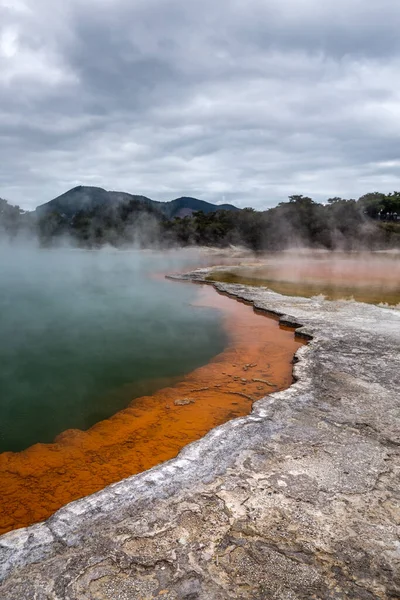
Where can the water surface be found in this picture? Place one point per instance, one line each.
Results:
(83, 333)
(372, 277)
(257, 360)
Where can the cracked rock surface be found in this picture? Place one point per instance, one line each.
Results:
(298, 500)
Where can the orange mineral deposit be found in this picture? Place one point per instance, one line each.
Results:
(258, 360)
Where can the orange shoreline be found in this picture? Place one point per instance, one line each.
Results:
(258, 360)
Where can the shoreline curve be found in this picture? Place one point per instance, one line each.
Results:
(38, 481)
(297, 499)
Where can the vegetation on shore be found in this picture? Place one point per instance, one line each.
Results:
(372, 221)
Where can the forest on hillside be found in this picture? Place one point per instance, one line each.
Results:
(372, 221)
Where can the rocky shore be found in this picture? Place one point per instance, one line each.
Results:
(298, 500)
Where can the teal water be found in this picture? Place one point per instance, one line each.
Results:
(83, 333)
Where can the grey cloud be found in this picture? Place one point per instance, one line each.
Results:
(242, 101)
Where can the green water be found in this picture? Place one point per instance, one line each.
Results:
(82, 333)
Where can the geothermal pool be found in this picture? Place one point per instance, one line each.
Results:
(116, 370)
(372, 277)
(83, 333)
(109, 369)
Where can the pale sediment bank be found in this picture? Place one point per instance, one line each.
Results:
(299, 499)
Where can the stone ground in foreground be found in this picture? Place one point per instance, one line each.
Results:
(298, 500)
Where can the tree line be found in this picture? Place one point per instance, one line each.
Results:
(372, 221)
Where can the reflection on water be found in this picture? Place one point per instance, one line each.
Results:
(365, 277)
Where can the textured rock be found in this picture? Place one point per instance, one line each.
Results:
(298, 500)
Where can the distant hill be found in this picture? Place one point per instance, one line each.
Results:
(85, 198)
(88, 198)
(91, 217)
(185, 206)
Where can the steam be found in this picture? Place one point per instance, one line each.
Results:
(366, 276)
(94, 218)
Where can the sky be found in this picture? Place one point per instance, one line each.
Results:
(240, 101)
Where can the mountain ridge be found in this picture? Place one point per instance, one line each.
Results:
(88, 198)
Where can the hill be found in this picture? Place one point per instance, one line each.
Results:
(89, 198)
(93, 217)
(186, 206)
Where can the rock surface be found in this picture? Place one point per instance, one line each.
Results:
(298, 500)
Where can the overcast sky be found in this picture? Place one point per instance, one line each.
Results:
(242, 101)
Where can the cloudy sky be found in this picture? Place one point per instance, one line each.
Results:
(243, 101)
